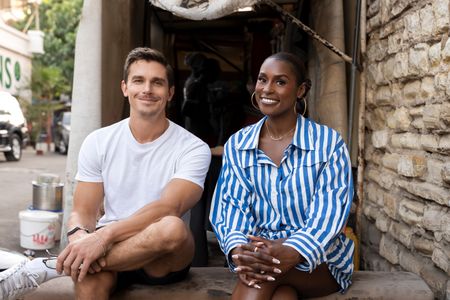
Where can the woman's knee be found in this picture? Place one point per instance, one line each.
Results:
(285, 292)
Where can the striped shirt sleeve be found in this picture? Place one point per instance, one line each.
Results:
(230, 214)
(328, 211)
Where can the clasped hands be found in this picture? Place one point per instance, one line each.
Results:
(262, 260)
(84, 253)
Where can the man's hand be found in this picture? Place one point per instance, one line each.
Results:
(83, 254)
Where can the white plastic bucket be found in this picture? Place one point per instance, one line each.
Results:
(37, 229)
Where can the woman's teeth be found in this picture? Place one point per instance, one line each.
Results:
(268, 101)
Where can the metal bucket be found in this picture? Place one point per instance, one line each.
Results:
(47, 196)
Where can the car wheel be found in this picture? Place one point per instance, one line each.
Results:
(62, 148)
(16, 149)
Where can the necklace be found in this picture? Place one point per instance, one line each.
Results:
(281, 136)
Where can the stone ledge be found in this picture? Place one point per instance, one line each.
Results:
(215, 283)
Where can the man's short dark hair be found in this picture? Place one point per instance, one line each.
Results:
(147, 54)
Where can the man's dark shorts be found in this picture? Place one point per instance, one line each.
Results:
(127, 278)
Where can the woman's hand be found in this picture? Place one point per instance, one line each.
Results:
(253, 267)
(263, 260)
(287, 256)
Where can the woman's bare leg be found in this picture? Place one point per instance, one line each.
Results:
(307, 285)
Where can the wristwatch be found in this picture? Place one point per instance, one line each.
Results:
(75, 229)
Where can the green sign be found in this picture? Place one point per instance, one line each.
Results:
(8, 70)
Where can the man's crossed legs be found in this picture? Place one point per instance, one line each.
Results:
(163, 249)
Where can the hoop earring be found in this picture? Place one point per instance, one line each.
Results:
(254, 102)
(304, 108)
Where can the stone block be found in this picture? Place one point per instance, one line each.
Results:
(411, 90)
(444, 144)
(371, 260)
(441, 15)
(412, 166)
(383, 96)
(430, 142)
(441, 259)
(445, 172)
(427, 90)
(423, 245)
(434, 171)
(385, 179)
(380, 138)
(374, 236)
(373, 9)
(412, 25)
(401, 65)
(412, 262)
(375, 74)
(401, 233)
(440, 81)
(376, 119)
(377, 51)
(417, 123)
(388, 70)
(395, 43)
(411, 212)
(434, 54)
(374, 194)
(433, 217)
(436, 280)
(446, 51)
(385, 11)
(447, 294)
(418, 59)
(382, 221)
(400, 119)
(391, 204)
(426, 190)
(371, 212)
(373, 23)
(406, 140)
(389, 249)
(445, 113)
(427, 21)
(431, 116)
(390, 161)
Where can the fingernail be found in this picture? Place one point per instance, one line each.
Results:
(276, 270)
(251, 283)
(270, 278)
(235, 256)
(276, 261)
(257, 286)
(237, 269)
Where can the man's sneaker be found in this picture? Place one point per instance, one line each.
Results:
(19, 280)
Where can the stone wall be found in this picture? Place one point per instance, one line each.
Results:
(406, 223)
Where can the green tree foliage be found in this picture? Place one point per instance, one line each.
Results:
(59, 22)
(52, 72)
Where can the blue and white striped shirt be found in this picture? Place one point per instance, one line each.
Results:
(306, 199)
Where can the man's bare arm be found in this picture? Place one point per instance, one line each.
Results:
(177, 198)
(87, 200)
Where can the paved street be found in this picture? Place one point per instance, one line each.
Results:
(16, 190)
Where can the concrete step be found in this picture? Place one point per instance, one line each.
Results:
(215, 283)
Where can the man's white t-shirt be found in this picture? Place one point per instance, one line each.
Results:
(135, 174)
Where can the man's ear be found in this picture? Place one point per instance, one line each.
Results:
(123, 86)
(171, 92)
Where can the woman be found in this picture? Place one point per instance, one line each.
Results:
(283, 196)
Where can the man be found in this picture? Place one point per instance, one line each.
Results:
(148, 172)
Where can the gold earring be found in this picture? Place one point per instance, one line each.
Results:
(253, 100)
(304, 108)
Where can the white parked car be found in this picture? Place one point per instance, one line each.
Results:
(13, 127)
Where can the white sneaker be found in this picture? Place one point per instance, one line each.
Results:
(19, 280)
